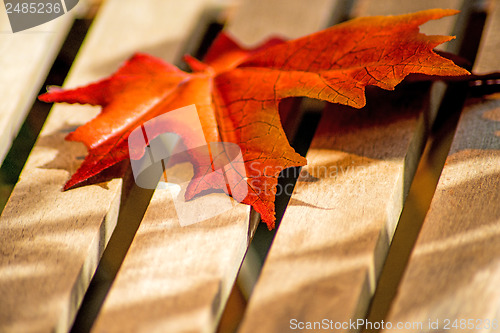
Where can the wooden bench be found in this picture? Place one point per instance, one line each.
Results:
(333, 254)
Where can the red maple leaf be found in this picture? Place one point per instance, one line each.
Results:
(237, 91)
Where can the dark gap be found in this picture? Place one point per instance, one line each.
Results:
(135, 201)
(213, 30)
(30, 129)
(233, 312)
(286, 181)
(422, 189)
(263, 238)
(300, 134)
(483, 89)
(300, 139)
(343, 12)
(210, 23)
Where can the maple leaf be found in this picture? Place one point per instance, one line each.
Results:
(237, 91)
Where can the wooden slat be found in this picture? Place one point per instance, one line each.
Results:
(335, 234)
(51, 241)
(454, 270)
(25, 60)
(177, 279)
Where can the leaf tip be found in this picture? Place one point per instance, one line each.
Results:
(268, 217)
(271, 223)
(49, 96)
(70, 184)
(437, 13)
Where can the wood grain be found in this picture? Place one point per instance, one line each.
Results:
(178, 279)
(454, 270)
(51, 241)
(26, 58)
(336, 231)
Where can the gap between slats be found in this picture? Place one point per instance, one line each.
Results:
(130, 239)
(136, 199)
(49, 231)
(414, 163)
(210, 308)
(469, 28)
(125, 210)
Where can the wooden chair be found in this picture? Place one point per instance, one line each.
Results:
(332, 255)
